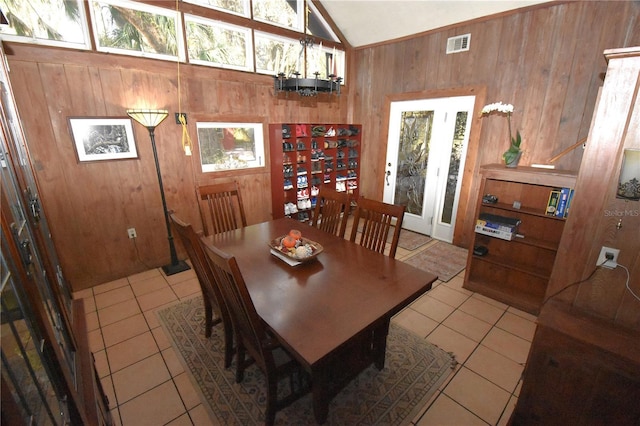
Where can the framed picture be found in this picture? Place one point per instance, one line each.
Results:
(629, 181)
(230, 146)
(99, 139)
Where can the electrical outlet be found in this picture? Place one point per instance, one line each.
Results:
(132, 232)
(608, 252)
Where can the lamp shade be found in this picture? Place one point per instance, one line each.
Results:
(148, 117)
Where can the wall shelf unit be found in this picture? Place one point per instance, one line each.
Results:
(307, 157)
(517, 272)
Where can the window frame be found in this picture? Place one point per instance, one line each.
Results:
(249, 53)
(84, 27)
(276, 37)
(300, 18)
(205, 14)
(142, 7)
(246, 14)
(258, 128)
(323, 21)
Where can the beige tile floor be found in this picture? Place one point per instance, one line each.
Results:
(147, 385)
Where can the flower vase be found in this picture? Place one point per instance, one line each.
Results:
(514, 162)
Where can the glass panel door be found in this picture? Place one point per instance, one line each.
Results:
(30, 276)
(413, 155)
(425, 161)
(26, 235)
(447, 205)
(26, 371)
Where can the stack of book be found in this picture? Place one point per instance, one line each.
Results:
(497, 226)
(559, 202)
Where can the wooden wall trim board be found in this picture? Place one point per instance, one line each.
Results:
(547, 61)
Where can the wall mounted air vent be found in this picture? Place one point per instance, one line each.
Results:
(458, 43)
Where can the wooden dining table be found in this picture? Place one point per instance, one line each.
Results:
(332, 313)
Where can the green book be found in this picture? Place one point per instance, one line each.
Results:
(552, 204)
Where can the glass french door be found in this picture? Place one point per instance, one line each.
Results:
(38, 347)
(426, 149)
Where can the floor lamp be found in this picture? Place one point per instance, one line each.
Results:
(150, 118)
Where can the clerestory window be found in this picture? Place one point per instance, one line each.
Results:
(136, 28)
(50, 22)
(237, 7)
(218, 44)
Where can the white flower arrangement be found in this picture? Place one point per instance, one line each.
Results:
(498, 106)
(513, 152)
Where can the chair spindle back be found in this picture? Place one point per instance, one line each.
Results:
(332, 211)
(375, 220)
(221, 208)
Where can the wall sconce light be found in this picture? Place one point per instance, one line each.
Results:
(150, 118)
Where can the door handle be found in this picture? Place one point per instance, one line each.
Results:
(34, 205)
(388, 174)
(25, 253)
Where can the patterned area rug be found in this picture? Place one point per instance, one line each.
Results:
(441, 259)
(410, 240)
(414, 369)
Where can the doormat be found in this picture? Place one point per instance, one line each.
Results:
(414, 369)
(410, 240)
(442, 259)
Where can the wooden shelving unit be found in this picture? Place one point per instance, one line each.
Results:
(517, 272)
(307, 157)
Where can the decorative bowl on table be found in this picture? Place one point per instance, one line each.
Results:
(303, 251)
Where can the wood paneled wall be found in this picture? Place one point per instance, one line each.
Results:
(547, 61)
(91, 205)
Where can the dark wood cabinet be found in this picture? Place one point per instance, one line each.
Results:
(306, 157)
(48, 372)
(581, 371)
(517, 271)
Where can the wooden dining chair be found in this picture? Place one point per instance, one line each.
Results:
(211, 294)
(374, 220)
(332, 211)
(221, 208)
(252, 336)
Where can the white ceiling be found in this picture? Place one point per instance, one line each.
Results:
(364, 22)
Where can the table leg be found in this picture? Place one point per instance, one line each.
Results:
(319, 395)
(379, 348)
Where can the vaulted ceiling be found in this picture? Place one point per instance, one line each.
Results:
(365, 22)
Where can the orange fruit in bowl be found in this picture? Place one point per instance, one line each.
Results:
(295, 234)
(289, 241)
